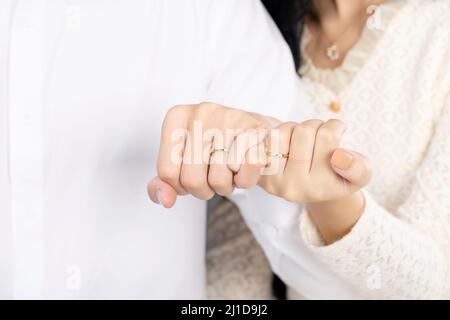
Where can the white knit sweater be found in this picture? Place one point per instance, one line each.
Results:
(394, 89)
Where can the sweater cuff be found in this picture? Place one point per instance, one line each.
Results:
(363, 227)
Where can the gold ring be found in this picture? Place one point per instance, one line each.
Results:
(218, 150)
(276, 155)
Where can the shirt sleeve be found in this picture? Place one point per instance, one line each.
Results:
(402, 253)
(250, 65)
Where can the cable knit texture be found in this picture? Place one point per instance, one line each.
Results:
(394, 92)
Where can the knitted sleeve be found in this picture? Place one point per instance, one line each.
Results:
(402, 253)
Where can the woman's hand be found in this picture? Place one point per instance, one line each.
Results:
(316, 170)
(310, 168)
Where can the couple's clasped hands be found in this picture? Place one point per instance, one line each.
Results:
(207, 149)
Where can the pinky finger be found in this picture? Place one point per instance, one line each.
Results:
(250, 171)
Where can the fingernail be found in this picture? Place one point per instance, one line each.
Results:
(342, 160)
(158, 195)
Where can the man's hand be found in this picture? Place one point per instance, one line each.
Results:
(201, 149)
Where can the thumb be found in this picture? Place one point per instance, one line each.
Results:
(353, 167)
(162, 193)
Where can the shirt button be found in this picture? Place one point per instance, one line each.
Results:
(335, 107)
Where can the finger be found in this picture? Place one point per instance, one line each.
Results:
(353, 167)
(194, 170)
(222, 171)
(162, 193)
(277, 146)
(328, 139)
(242, 143)
(238, 149)
(172, 146)
(220, 177)
(250, 171)
(302, 147)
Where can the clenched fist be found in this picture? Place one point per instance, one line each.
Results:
(311, 167)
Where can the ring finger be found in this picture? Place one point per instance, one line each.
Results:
(277, 147)
(194, 170)
(220, 177)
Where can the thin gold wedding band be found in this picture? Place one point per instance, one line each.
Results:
(269, 153)
(219, 150)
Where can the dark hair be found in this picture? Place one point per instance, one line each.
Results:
(289, 15)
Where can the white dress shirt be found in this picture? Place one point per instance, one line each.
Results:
(84, 87)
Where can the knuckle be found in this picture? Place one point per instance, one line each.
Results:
(287, 126)
(285, 132)
(168, 174)
(205, 108)
(313, 124)
(281, 133)
(200, 111)
(256, 124)
(337, 123)
(232, 114)
(305, 130)
(327, 136)
(206, 105)
(234, 118)
(174, 111)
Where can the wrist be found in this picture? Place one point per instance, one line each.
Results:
(334, 219)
